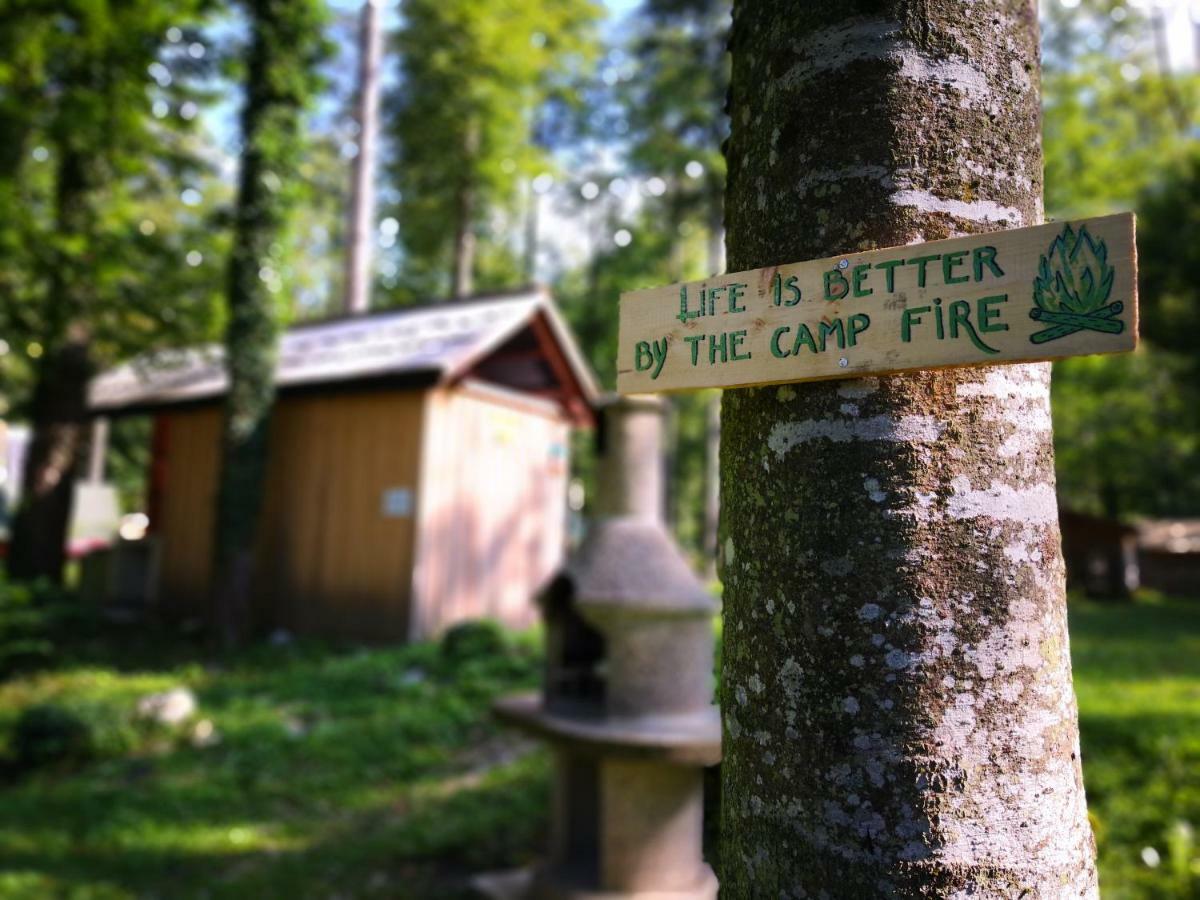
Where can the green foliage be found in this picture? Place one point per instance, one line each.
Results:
(48, 734)
(285, 46)
(1105, 138)
(92, 228)
(1169, 259)
(93, 157)
(675, 102)
(472, 640)
(30, 613)
(377, 772)
(128, 462)
(474, 83)
(1126, 434)
(366, 772)
(588, 296)
(672, 100)
(686, 510)
(1119, 133)
(1112, 115)
(312, 265)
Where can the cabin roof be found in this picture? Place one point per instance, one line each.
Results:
(519, 334)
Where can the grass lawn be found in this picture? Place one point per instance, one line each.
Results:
(1137, 675)
(336, 772)
(347, 772)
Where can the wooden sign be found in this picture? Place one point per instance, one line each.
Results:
(1063, 289)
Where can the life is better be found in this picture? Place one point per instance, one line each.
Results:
(941, 319)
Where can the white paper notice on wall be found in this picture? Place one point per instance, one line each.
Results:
(397, 502)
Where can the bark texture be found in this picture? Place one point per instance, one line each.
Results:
(898, 710)
(59, 416)
(284, 50)
(58, 411)
(360, 230)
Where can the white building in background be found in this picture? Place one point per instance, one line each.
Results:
(14, 442)
(95, 511)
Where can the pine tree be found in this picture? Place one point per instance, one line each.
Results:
(675, 104)
(898, 710)
(473, 80)
(676, 109)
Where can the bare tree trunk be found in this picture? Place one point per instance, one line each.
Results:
(98, 450)
(675, 262)
(362, 185)
(464, 246)
(898, 710)
(716, 232)
(532, 214)
(1162, 57)
(462, 271)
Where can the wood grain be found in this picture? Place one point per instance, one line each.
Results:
(892, 323)
(488, 469)
(187, 507)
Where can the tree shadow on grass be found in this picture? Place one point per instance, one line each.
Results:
(422, 840)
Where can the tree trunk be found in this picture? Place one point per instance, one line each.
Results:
(676, 262)
(712, 480)
(716, 231)
(250, 347)
(1162, 57)
(463, 269)
(360, 222)
(899, 716)
(58, 411)
(532, 214)
(59, 418)
(712, 433)
(285, 47)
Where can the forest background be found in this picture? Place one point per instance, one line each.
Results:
(571, 142)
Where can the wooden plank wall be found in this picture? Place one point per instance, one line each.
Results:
(330, 561)
(186, 509)
(493, 511)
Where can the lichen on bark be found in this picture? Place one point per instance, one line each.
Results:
(899, 716)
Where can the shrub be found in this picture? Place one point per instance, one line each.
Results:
(24, 627)
(24, 654)
(473, 640)
(48, 734)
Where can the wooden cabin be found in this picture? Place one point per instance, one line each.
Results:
(1169, 553)
(1100, 555)
(417, 474)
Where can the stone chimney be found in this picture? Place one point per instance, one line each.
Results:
(627, 703)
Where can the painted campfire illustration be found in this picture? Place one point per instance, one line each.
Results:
(1072, 287)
